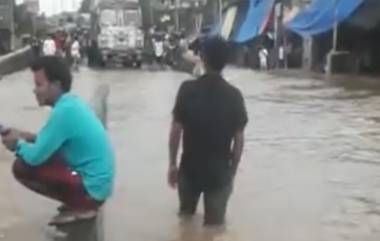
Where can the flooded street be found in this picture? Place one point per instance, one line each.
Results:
(310, 171)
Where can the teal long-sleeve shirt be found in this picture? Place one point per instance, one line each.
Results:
(73, 129)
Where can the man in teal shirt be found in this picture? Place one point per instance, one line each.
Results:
(71, 159)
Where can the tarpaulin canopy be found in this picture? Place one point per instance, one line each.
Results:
(320, 15)
(256, 20)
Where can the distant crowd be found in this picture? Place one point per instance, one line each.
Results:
(73, 47)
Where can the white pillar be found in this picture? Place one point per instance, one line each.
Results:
(336, 26)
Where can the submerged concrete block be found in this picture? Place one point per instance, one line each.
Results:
(93, 229)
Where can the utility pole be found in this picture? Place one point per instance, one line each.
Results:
(13, 34)
(278, 31)
(220, 10)
(177, 6)
(336, 26)
(331, 55)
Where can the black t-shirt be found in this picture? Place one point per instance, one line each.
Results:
(211, 112)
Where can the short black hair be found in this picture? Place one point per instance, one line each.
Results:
(56, 70)
(195, 46)
(215, 52)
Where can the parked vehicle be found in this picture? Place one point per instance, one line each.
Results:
(118, 32)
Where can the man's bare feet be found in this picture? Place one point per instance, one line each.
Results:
(69, 216)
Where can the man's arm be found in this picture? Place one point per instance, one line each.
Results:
(48, 141)
(237, 150)
(175, 136)
(174, 141)
(238, 140)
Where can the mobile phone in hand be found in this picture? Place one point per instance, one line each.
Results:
(4, 130)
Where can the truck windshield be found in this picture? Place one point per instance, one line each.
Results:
(108, 17)
(132, 16)
(118, 17)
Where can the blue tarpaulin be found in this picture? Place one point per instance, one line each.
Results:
(255, 21)
(319, 16)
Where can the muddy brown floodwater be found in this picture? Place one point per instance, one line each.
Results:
(310, 171)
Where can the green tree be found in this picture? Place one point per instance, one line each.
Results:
(85, 6)
(23, 20)
(146, 10)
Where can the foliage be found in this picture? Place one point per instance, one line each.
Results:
(23, 20)
(85, 6)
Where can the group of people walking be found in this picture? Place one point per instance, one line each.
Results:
(68, 46)
(71, 158)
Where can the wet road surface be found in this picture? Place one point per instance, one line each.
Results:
(310, 171)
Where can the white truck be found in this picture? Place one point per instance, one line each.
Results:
(119, 36)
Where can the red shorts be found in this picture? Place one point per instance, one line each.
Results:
(55, 180)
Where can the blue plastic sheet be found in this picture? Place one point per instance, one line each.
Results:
(319, 16)
(255, 20)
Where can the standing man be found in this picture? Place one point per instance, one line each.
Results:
(263, 56)
(71, 159)
(49, 47)
(158, 45)
(75, 53)
(209, 116)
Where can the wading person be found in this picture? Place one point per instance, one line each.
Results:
(209, 116)
(49, 47)
(71, 159)
(75, 54)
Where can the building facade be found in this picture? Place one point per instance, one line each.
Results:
(33, 6)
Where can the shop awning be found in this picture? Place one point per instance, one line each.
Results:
(319, 16)
(256, 20)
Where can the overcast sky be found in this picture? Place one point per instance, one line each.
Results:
(50, 7)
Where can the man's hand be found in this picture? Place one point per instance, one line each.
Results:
(173, 176)
(10, 139)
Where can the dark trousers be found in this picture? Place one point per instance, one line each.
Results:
(215, 200)
(54, 180)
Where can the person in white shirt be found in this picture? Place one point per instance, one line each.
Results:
(75, 53)
(158, 45)
(281, 56)
(49, 48)
(263, 56)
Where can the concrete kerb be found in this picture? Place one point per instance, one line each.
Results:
(99, 103)
(15, 61)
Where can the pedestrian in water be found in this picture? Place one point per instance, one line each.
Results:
(210, 117)
(70, 159)
(49, 46)
(75, 53)
(263, 57)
